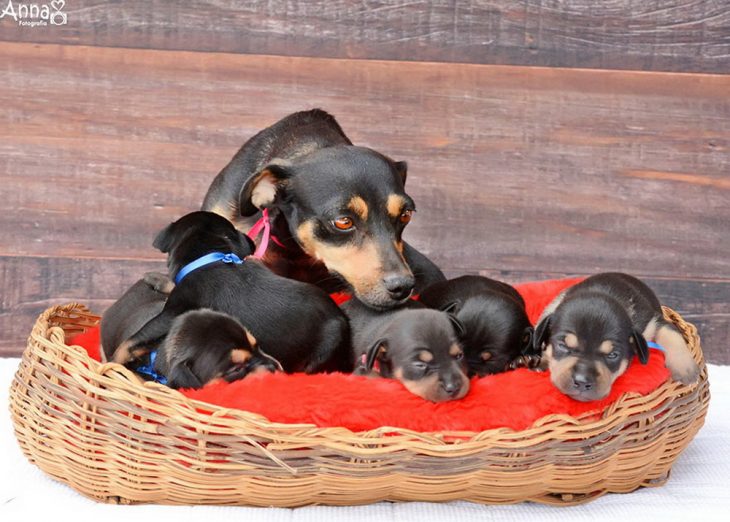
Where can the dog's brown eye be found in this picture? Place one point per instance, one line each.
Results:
(459, 356)
(343, 223)
(406, 216)
(612, 356)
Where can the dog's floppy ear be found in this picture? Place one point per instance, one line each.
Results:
(458, 325)
(375, 352)
(261, 189)
(526, 342)
(452, 307)
(541, 335)
(181, 376)
(163, 241)
(401, 167)
(640, 347)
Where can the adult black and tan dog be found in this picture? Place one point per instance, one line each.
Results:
(296, 323)
(590, 333)
(336, 209)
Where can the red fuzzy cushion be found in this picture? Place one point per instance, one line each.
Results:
(514, 400)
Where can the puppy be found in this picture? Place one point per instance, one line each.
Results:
(413, 344)
(589, 334)
(296, 323)
(496, 326)
(143, 301)
(337, 211)
(204, 345)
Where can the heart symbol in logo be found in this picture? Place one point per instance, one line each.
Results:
(58, 4)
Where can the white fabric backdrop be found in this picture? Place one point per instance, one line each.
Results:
(698, 489)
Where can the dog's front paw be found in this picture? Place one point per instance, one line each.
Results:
(684, 369)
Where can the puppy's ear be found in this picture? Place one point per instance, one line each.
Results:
(640, 347)
(452, 308)
(526, 342)
(262, 189)
(375, 352)
(458, 325)
(250, 245)
(401, 167)
(181, 376)
(163, 241)
(542, 334)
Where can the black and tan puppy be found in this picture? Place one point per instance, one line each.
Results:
(413, 344)
(337, 211)
(296, 323)
(496, 327)
(590, 333)
(203, 346)
(143, 301)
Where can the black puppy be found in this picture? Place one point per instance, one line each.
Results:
(203, 346)
(496, 326)
(296, 323)
(589, 334)
(413, 344)
(143, 301)
(335, 209)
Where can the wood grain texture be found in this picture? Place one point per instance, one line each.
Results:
(536, 172)
(671, 35)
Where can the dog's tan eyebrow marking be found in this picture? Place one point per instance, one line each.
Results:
(395, 204)
(359, 207)
(455, 349)
(571, 341)
(240, 356)
(606, 347)
(425, 356)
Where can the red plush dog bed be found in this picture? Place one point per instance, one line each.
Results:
(513, 400)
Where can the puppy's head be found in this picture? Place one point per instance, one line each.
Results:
(197, 234)
(346, 206)
(496, 331)
(204, 345)
(588, 342)
(420, 348)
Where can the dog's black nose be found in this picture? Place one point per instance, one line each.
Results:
(398, 286)
(451, 386)
(582, 382)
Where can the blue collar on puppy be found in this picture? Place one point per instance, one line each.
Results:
(149, 369)
(208, 259)
(652, 344)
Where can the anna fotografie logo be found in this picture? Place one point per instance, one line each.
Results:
(35, 15)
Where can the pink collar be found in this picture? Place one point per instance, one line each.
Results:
(265, 224)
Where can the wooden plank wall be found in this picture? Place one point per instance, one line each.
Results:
(520, 173)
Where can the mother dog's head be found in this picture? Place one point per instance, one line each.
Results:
(345, 206)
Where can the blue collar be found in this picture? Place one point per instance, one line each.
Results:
(652, 344)
(208, 259)
(149, 369)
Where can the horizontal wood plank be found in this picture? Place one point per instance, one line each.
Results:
(672, 35)
(526, 172)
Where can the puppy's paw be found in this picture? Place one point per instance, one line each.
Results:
(684, 369)
(159, 282)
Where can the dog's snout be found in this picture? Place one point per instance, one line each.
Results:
(399, 286)
(451, 385)
(583, 382)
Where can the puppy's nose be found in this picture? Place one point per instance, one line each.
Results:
(399, 286)
(451, 386)
(582, 382)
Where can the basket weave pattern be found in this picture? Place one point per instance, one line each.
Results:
(98, 428)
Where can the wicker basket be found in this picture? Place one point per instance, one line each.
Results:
(98, 428)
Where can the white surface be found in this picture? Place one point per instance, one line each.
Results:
(698, 489)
